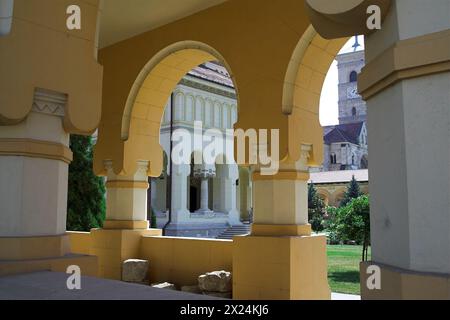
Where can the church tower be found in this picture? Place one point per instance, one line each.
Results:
(351, 106)
(345, 145)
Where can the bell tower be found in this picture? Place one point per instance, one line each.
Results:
(351, 106)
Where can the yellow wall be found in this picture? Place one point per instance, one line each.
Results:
(176, 260)
(264, 55)
(80, 242)
(40, 52)
(181, 261)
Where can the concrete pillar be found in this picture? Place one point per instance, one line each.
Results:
(204, 172)
(204, 195)
(228, 193)
(126, 198)
(34, 160)
(126, 220)
(180, 211)
(408, 131)
(244, 193)
(281, 244)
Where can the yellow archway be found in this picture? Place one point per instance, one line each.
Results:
(302, 88)
(144, 108)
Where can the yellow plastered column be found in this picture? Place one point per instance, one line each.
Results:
(126, 204)
(280, 259)
(112, 247)
(126, 221)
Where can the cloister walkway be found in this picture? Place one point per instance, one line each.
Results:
(48, 285)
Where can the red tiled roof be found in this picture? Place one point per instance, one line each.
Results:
(214, 72)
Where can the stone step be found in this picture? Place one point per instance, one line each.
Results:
(235, 231)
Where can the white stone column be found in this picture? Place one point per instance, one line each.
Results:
(34, 159)
(244, 193)
(204, 195)
(228, 193)
(180, 176)
(204, 172)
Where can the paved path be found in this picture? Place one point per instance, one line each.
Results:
(52, 286)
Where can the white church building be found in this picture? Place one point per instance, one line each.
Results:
(201, 200)
(345, 144)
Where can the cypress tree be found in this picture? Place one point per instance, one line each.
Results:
(315, 209)
(86, 205)
(353, 192)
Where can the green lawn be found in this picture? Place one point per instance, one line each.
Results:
(343, 268)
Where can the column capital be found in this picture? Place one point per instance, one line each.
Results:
(344, 18)
(431, 55)
(139, 175)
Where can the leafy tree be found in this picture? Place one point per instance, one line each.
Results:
(315, 209)
(353, 192)
(86, 195)
(352, 222)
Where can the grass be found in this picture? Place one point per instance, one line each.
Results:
(343, 268)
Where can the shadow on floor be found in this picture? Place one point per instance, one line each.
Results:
(344, 276)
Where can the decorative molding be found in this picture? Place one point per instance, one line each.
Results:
(142, 168)
(204, 173)
(122, 184)
(431, 56)
(35, 149)
(204, 87)
(337, 19)
(139, 178)
(49, 102)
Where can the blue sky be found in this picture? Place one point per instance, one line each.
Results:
(329, 98)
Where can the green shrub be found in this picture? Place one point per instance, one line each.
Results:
(315, 209)
(351, 223)
(353, 192)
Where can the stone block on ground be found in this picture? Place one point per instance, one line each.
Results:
(216, 281)
(164, 285)
(134, 270)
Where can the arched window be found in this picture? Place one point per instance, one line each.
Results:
(333, 158)
(353, 159)
(353, 76)
(354, 112)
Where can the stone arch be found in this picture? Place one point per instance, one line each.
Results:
(199, 108)
(148, 97)
(324, 195)
(305, 75)
(338, 196)
(179, 105)
(189, 106)
(353, 77)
